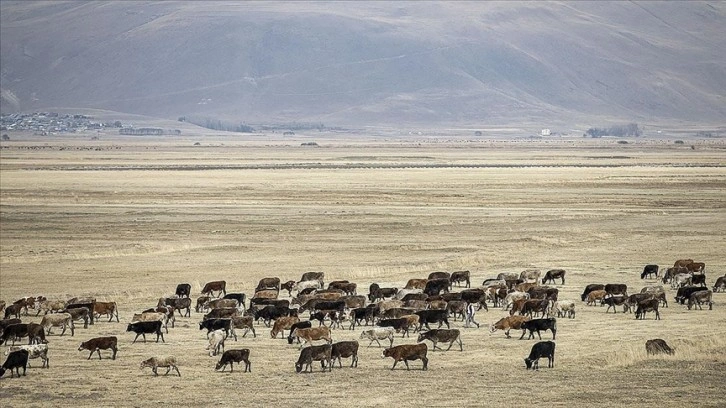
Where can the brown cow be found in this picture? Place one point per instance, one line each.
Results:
(268, 283)
(416, 284)
(310, 334)
(106, 308)
(282, 324)
(450, 336)
(288, 286)
(407, 352)
(594, 296)
(508, 323)
(100, 343)
(219, 286)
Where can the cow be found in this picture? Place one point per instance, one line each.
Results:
(398, 324)
(671, 272)
(168, 362)
(80, 303)
(389, 304)
(649, 270)
(309, 284)
(407, 352)
(590, 288)
(442, 335)
(178, 304)
(336, 317)
(657, 291)
(432, 316)
(461, 276)
(696, 267)
(344, 349)
(378, 333)
(210, 287)
(317, 276)
(436, 286)
(402, 293)
(684, 293)
(613, 289)
(456, 307)
(438, 304)
(106, 308)
(299, 325)
(216, 342)
(418, 304)
(268, 283)
(218, 324)
(202, 302)
(382, 293)
(33, 331)
(152, 317)
(594, 296)
(282, 324)
(7, 322)
(141, 328)
(524, 286)
(698, 279)
(508, 276)
(15, 360)
(244, 322)
(658, 346)
(34, 351)
(24, 304)
(439, 275)
(234, 356)
(13, 310)
(311, 334)
(416, 284)
(239, 297)
(553, 274)
(537, 325)
(535, 307)
(100, 343)
(315, 353)
(539, 350)
(80, 313)
(650, 305)
(682, 262)
(221, 313)
(614, 301)
(700, 297)
(356, 316)
(63, 320)
(475, 295)
(52, 306)
(720, 285)
(183, 289)
(543, 292)
(530, 275)
(508, 323)
(354, 301)
(289, 286)
(222, 303)
(632, 301)
(564, 308)
(681, 280)
(512, 297)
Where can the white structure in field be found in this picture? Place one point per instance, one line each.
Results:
(546, 132)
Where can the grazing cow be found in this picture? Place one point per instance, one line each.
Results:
(345, 349)
(685, 293)
(681, 280)
(590, 288)
(100, 343)
(407, 352)
(539, 350)
(650, 305)
(416, 284)
(439, 275)
(682, 262)
(614, 301)
(314, 353)
(218, 324)
(63, 320)
(33, 331)
(168, 362)
(106, 308)
(310, 276)
(657, 291)
(311, 334)
(282, 324)
(461, 276)
(239, 297)
(299, 325)
(141, 328)
(268, 283)
(565, 308)
(442, 335)
(15, 360)
(378, 333)
(210, 287)
(613, 289)
(658, 346)
(530, 275)
(649, 270)
(508, 323)
(52, 306)
(183, 289)
(202, 302)
(553, 274)
(288, 286)
(234, 356)
(216, 342)
(632, 301)
(512, 297)
(34, 351)
(594, 296)
(698, 279)
(672, 272)
(432, 316)
(720, 285)
(436, 286)
(221, 313)
(700, 297)
(536, 325)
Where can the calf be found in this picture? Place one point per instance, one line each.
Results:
(282, 324)
(168, 362)
(311, 334)
(537, 325)
(442, 335)
(299, 325)
(15, 360)
(378, 333)
(700, 297)
(100, 343)
(614, 301)
(202, 303)
(106, 308)
(658, 346)
(235, 356)
(407, 352)
(63, 320)
(183, 289)
(142, 328)
(432, 316)
(590, 288)
(216, 342)
(508, 323)
(650, 305)
(553, 274)
(649, 270)
(594, 296)
(210, 287)
(314, 353)
(539, 350)
(345, 349)
(565, 308)
(34, 351)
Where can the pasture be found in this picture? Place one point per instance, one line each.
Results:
(127, 219)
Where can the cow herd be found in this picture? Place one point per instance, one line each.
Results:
(310, 313)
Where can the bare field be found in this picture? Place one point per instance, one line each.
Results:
(128, 219)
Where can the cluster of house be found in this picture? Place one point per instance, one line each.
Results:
(45, 123)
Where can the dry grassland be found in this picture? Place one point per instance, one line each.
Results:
(129, 221)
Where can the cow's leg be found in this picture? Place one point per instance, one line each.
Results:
(406, 362)
(167, 370)
(524, 331)
(394, 364)
(98, 351)
(538, 334)
(89, 356)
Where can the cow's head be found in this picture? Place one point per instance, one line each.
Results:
(528, 363)
(387, 353)
(298, 367)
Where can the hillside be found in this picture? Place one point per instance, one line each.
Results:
(357, 63)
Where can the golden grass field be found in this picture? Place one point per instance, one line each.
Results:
(127, 219)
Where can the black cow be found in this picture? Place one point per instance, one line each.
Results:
(183, 289)
(33, 331)
(382, 293)
(436, 286)
(535, 325)
(315, 353)
(218, 324)
(698, 279)
(649, 270)
(239, 297)
(553, 274)
(439, 275)
(345, 349)
(613, 289)
(614, 301)
(589, 288)
(684, 293)
(337, 305)
(15, 360)
(142, 328)
(299, 325)
(269, 313)
(399, 324)
(539, 350)
(650, 305)
(461, 276)
(234, 356)
(356, 316)
(432, 316)
(473, 296)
